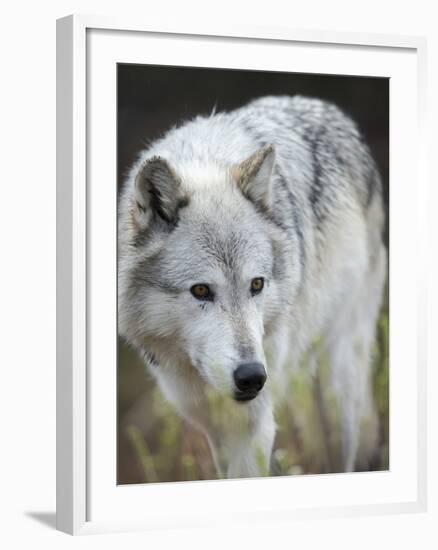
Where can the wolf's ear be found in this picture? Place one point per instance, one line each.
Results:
(253, 176)
(157, 193)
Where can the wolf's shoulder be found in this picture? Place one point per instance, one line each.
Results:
(320, 141)
(309, 117)
(297, 103)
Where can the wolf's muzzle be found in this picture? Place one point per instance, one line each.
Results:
(249, 379)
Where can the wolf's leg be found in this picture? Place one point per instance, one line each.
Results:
(249, 454)
(345, 385)
(349, 346)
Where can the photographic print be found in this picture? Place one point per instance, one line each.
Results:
(252, 274)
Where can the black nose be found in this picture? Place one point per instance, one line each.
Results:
(250, 378)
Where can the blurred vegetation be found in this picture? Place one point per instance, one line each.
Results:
(155, 444)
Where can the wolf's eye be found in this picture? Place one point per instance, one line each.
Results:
(257, 285)
(201, 292)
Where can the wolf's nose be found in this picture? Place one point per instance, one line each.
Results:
(250, 377)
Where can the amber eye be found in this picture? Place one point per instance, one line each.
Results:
(201, 292)
(257, 285)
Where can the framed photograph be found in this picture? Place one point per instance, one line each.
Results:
(238, 321)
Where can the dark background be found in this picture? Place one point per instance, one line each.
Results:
(154, 444)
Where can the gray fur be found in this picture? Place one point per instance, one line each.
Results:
(285, 189)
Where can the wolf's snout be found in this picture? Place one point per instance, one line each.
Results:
(249, 379)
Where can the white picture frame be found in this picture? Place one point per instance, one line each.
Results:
(81, 485)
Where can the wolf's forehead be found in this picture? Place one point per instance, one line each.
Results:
(232, 250)
(227, 248)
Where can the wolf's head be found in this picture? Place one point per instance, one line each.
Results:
(202, 268)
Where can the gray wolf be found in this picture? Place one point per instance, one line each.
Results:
(244, 237)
